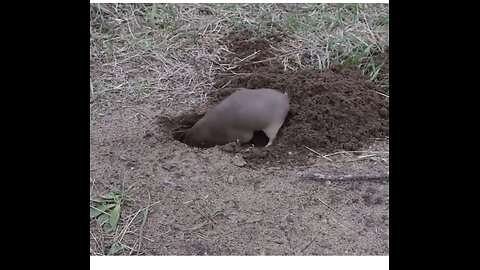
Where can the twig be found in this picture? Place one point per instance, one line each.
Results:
(382, 94)
(369, 152)
(248, 57)
(347, 177)
(366, 156)
(279, 56)
(93, 184)
(315, 152)
(310, 243)
(329, 206)
(95, 239)
(342, 224)
(94, 253)
(361, 157)
(226, 84)
(130, 30)
(125, 246)
(119, 238)
(145, 214)
(143, 236)
(122, 61)
(264, 60)
(136, 213)
(142, 113)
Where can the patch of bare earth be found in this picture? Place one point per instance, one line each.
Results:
(269, 210)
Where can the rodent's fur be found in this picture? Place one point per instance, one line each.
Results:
(238, 116)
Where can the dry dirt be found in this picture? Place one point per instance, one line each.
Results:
(252, 200)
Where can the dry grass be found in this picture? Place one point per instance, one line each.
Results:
(169, 53)
(166, 55)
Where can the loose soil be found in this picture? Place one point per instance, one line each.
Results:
(338, 109)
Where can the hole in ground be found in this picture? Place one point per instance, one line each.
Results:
(185, 122)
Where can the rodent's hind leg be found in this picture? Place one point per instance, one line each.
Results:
(271, 132)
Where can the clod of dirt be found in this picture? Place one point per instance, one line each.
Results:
(170, 183)
(239, 161)
(170, 167)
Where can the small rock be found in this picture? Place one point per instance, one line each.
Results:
(239, 161)
(170, 183)
(383, 112)
(129, 159)
(232, 147)
(228, 148)
(290, 219)
(148, 134)
(170, 167)
(151, 141)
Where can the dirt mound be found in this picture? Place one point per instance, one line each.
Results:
(331, 110)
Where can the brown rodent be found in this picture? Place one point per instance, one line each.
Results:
(238, 116)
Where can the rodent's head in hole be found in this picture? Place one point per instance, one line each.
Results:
(240, 116)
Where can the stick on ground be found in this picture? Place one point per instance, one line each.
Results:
(347, 177)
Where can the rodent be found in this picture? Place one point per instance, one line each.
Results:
(237, 117)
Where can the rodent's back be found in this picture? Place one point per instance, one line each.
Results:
(252, 109)
(244, 111)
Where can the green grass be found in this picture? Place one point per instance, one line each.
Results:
(113, 226)
(207, 218)
(161, 16)
(337, 33)
(144, 87)
(106, 209)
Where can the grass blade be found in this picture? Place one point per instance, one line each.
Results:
(96, 211)
(114, 216)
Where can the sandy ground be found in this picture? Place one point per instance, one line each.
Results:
(263, 210)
